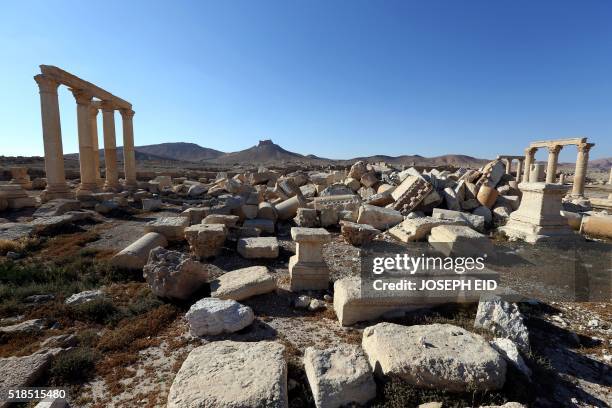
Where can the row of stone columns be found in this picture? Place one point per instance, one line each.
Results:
(519, 166)
(89, 160)
(553, 159)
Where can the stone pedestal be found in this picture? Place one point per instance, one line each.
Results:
(539, 215)
(16, 197)
(307, 269)
(20, 177)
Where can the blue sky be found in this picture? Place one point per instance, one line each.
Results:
(332, 78)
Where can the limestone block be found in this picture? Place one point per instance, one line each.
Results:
(339, 376)
(366, 192)
(484, 212)
(228, 220)
(358, 234)
(413, 353)
(308, 190)
(16, 372)
(340, 203)
(352, 183)
(267, 211)
(307, 269)
(508, 201)
(500, 216)
(306, 217)
(328, 217)
(16, 197)
(599, 226)
(261, 247)
(243, 283)
(379, 199)
(452, 203)
(173, 228)
(369, 179)
(460, 240)
(206, 240)
(573, 219)
(212, 316)
(417, 229)
(409, 194)
(379, 218)
(195, 215)
(336, 189)
(264, 225)
(230, 374)
(358, 169)
(135, 255)
(151, 204)
(475, 221)
(57, 206)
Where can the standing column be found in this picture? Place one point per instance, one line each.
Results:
(86, 160)
(581, 167)
(610, 178)
(93, 121)
(129, 158)
(519, 169)
(110, 147)
(52, 140)
(529, 157)
(508, 165)
(553, 158)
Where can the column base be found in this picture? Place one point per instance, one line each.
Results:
(53, 192)
(308, 275)
(86, 189)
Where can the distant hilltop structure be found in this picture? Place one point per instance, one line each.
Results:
(267, 142)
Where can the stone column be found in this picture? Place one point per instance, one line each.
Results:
(307, 269)
(553, 158)
(52, 140)
(519, 170)
(86, 160)
(529, 157)
(581, 169)
(610, 178)
(536, 173)
(508, 163)
(93, 122)
(129, 157)
(110, 147)
(562, 178)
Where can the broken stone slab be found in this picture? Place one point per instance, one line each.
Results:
(358, 234)
(308, 190)
(173, 228)
(212, 316)
(172, 274)
(484, 212)
(306, 217)
(352, 183)
(228, 220)
(460, 240)
(339, 203)
(18, 372)
(504, 319)
(336, 189)
(358, 169)
(29, 326)
(492, 173)
(206, 240)
(500, 216)
(243, 283)
(13, 231)
(339, 376)
(366, 192)
(307, 269)
(415, 353)
(417, 229)
(450, 197)
(151, 204)
(260, 247)
(379, 199)
(45, 225)
(509, 350)
(84, 297)
(369, 179)
(409, 194)
(473, 220)
(57, 206)
(230, 374)
(379, 217)
(264, 225)
(136, 255)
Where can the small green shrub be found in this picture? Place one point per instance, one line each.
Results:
(74, 366)
(97, 311)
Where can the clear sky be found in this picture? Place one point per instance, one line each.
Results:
(333, 78)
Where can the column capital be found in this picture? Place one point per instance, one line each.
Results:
(93, 111)
(127, 113)
(554, 148)
(585, 147)
(530, 151)
(46, 84)
(82, 97)
(107, 106)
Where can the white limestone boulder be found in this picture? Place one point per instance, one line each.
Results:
(435, 356)
(379, 217)
(504, 319)
(259, 247)
(243, 283)
(229, 374)
(136, 255)
(206, 240)
(212, 316)
(417, 229)
(511, 353)
(339, 376)
(358, 234)
(84, 297)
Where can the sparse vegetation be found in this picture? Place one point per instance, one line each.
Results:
(73, 366)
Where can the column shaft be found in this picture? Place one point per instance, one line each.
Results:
(551, 167)
(529, 157)
(52, 139)
(93, 121)
(110, 147)
(519, 169)
(86, 161)
(581, 168)
(129, 157)
(508, 163)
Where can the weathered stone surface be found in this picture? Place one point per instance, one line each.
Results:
(136, 255)
(29, 326)
(267, 211)
(410, 193)
(307, 269)
(358, 169)
(336, 189)
(369, 179)
(173, 228)
(151, 204)
(417, 229)
(13, 231)
(487, 195)
(339, 203)
(57, 206)
(492, 173)
(358, 234)
(484, 212)
(306, 217)
(228, 220)
(500, 216)
(328, 217)
(261, 247)
(438, 356)
(599, 226)
(196, 190)
(171, 274)
(228, 374)
(460, 240)
(263, 225)
(509, 350)
(473, 220)
(504, 319)
(378, 217)
(339, 376)
(243, 283)
(212, 316)
(84, 297)
(452, 203)
(206, 240)
(18, 372)
(352, 183)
